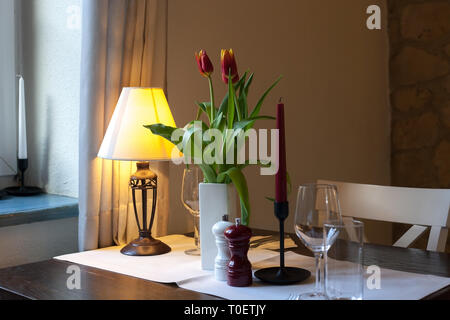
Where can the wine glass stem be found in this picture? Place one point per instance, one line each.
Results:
(196, 231)
(318, 256)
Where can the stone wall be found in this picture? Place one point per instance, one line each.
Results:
(419, 34)
(420, 92)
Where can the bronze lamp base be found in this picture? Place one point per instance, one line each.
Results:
(145, 246)
(144, 180)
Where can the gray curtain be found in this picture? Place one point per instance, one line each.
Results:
(123, 45)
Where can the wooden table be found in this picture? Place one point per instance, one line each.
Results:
(46, 280)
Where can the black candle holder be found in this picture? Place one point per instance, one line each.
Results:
(22, 190)
(282, 275)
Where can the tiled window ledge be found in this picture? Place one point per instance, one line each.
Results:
(21, 210)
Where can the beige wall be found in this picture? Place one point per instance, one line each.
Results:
(335, 85)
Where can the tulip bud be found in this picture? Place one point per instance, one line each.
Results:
(229, 64)
(204, 64)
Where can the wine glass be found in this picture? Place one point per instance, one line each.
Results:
(317, 204)
(189, 197)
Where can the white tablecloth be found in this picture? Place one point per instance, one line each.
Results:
(186, 271)
(167, 268)
(395, 285)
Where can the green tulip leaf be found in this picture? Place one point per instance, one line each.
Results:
(206, 108)
(199, 114)
(243, 103)
(238, 108)
(262, 118)
(208, 173)
(248, 83)
(196, 147)
(241, 82)
(240, 183)
(218, 120)
(203, 106)
(224, 105)
(256, 110)
(162, 130)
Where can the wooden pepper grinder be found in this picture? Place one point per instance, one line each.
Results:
(223, 252)
(239, 268)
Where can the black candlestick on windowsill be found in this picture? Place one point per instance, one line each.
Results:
(22, 190)
(282, 275)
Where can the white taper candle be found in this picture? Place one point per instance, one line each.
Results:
(22, 154)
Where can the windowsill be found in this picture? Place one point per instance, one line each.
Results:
(44, 207)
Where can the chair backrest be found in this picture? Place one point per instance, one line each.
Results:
(416, 206)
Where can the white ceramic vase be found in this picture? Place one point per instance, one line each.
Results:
(216, 200)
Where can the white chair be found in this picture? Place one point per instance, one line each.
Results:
(423, 208)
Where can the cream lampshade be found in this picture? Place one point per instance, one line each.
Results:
(127, 139)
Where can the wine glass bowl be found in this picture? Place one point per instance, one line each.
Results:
(192, 176)
(310, 237)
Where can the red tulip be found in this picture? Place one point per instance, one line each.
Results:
(204, 64)
(229, 64)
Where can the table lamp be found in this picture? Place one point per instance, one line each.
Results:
(127, 139)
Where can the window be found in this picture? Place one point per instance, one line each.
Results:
(44, 46)
(8, 127)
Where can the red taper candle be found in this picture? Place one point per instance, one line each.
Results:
(280, 177)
